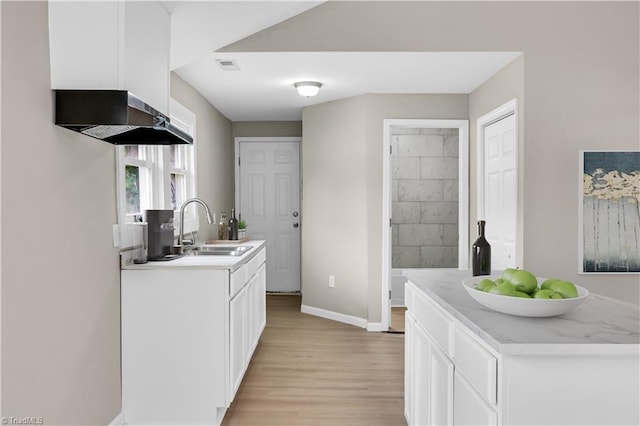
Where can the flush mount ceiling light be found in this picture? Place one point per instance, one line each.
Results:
(307, 88)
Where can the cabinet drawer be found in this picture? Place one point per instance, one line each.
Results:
(476, 363)
(238, 279)
(254, 264)
(434, 320)
(242, 275)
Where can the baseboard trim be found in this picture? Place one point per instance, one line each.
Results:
(376, 326)
(118, 421)
(334, 316)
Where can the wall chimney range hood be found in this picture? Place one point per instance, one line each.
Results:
(115, 116)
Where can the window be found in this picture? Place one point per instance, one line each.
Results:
(138, 166)
(158, 177)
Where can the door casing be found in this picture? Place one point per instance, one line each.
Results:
(463, 201)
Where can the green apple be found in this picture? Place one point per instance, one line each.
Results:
(488, 288)
(484, 283)
(499, 281)
(504, 289)
(524, 281)
(565, 288)
(508, 273)
(522, 294)
(547, 293)
(547, 283)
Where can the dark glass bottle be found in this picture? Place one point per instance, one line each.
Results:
(233, 226)
(481, 253)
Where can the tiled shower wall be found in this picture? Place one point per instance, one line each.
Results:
(425, 198)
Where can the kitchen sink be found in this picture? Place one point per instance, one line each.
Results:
(218, 250)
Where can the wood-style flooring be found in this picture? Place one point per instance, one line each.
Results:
(312, 371)
(397, 319)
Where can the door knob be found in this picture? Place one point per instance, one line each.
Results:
(295, 214)
(295, 225)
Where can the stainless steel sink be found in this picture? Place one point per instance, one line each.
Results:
(218, 250)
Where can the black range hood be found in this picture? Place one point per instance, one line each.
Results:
(117, 117)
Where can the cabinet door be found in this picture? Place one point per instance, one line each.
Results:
(409, 324)
(441, 387)
(468, 406)
(261, 301)
(237, 339)
(420, 398)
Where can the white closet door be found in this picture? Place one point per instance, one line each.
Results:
(501, 190)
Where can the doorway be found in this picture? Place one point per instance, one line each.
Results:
(268, 200)
(425, 139)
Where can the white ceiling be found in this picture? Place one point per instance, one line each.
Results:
(262, 89)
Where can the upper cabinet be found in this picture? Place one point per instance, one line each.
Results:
(111, 45)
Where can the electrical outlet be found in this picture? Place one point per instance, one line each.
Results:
(332, 281)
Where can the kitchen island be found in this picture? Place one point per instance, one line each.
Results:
(189, 328)
(467, 364)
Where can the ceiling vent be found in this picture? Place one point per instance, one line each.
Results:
(228, 64)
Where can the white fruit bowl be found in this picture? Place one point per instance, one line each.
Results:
(522, 306)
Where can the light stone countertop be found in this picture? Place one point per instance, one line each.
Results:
(600, 325)
(203, 262)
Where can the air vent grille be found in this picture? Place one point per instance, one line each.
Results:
(228, 64)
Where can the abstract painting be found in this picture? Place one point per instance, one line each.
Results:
(609, 212)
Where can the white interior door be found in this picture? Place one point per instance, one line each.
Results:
(501, 190)
(269, 201)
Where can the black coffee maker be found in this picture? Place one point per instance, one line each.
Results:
(160, 234)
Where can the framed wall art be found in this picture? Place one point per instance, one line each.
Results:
(609, 212)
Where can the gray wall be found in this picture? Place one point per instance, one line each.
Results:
(214, 153)
(505, 85)
(343, 195)
(266, 129)
(582, 92)
(334, 204)
(60, 306)
(61, 312)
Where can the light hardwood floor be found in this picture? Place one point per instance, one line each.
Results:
(312, 371)
(397, 319)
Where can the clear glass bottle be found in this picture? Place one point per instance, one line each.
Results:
(233, 226)
(223, 227)
(481, 253)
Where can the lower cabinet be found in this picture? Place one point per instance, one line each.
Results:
(436, 390)
(188, 336)
(453, 377)
(468, 407)
(247, 319)
(237, 339)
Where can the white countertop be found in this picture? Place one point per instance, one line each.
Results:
(205, 261)
(600, 325)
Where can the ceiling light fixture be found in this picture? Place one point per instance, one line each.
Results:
(307, 88)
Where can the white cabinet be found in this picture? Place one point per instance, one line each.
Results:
(428, 378)
(238, 339)
(454, 377)
(469, 407)
(247, 319)
(112, 45)
(188, 335)
(441, 387)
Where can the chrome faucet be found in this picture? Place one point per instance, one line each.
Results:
(181, 239)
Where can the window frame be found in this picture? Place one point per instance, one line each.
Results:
(158, 162)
